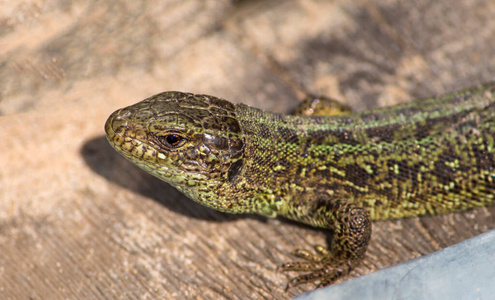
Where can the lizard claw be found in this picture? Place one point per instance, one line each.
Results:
(321, 267)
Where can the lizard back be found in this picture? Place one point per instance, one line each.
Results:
(430, 156)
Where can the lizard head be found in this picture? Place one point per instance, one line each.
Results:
(193, 142)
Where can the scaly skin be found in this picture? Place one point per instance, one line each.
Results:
(338, 172)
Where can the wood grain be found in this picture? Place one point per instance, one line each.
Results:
(79, 222)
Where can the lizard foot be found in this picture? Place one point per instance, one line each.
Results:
(321, 267)
(352, 230)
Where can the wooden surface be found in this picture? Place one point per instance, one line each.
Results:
(77, 221)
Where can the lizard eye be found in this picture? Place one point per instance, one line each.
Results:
(172, 140)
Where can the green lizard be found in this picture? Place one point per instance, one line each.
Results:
(337, 172)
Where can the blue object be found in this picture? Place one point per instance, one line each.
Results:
(463, 271)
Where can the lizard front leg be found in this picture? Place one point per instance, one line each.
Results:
(351, 227)
(312, 106)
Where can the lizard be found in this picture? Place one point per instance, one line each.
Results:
(333, 169)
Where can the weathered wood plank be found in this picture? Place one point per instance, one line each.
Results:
(78, 221)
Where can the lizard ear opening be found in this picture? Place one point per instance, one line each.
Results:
(234, 170)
